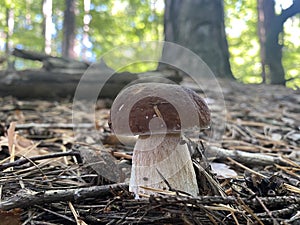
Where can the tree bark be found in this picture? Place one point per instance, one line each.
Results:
(40, 84)
(273, 25)
(199, 26)
(56, 84)
(273, 49)
(69, 25)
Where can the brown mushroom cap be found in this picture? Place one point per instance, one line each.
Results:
(157, 108)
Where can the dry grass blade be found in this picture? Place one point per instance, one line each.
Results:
(292, 188)
(246, 168)
(159, 191)
(79, 221)
(11, 139)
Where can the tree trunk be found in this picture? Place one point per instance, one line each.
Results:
(69, 25)
(47, 23)
(273, 49)
(273, 25)
(199, 26)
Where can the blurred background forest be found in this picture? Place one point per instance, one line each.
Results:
(260, 38)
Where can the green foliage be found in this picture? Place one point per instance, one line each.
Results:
(241, 29)
(117, 23)
(113, 23)
(134, 57)
(57, 19)
(291, 50)
(28, 28)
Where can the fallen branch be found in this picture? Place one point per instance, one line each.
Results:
(26, 198)
(54, 125)
(245, 157)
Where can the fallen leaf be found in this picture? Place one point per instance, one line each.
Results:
(11, 137)
(11, 217)
(222, 170)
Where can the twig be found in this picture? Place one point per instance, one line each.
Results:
(204, 200)
(246, 168)
(249, 210)
(76, 215)
(244, 157)
(290, 209)
(55, 213)
(22, 161)
(54, 125)
(35, 165)
(275, 222)
(292, 188)
(165, 180)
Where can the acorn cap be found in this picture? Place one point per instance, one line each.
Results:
(152, 108)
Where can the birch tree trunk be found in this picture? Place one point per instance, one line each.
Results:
(47, 25)
(86, 28)
(10, 23)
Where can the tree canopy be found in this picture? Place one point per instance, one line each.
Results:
(107, 24)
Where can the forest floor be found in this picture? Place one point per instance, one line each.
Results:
(51, 173)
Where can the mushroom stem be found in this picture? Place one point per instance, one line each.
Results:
(164, 154)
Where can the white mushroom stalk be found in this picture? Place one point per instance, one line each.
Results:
(155, 159)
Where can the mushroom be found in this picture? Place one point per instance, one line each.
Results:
(159, 113)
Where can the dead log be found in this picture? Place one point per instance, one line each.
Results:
(51, 85)
(38, 84)
(51, 63)
(60, 77)
(31, 55)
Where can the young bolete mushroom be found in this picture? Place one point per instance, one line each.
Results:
(158, 113)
